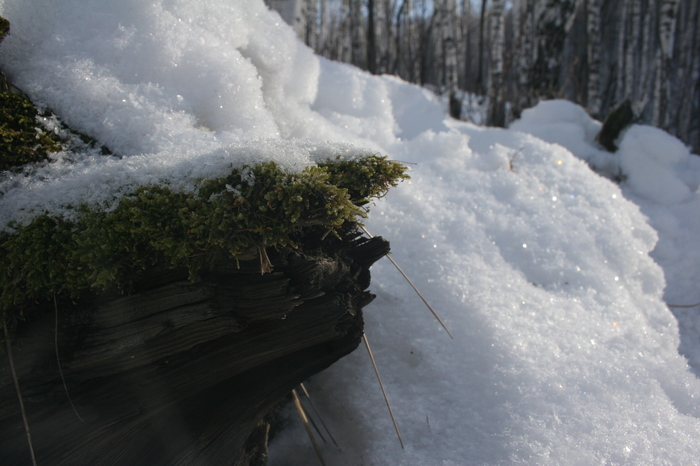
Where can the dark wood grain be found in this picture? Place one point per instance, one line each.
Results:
(180, 373)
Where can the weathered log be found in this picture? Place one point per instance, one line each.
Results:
(180, 373)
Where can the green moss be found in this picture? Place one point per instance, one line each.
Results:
(365, 178)
(21, 139)
(254, 207)
(4, 28)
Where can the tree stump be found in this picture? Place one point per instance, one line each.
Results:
(181, 372)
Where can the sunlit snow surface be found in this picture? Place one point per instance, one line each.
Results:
(564, 351)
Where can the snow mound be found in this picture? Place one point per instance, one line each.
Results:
(650, 159)
(564, 351)
(178, 89)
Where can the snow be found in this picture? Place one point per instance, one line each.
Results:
(552, 278)
(180, 89)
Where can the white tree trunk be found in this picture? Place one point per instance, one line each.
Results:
(623, 37)
(356, 31)
(662, 90)
(631, 76)
(310, 15)
(593, 30)
(496, 110)
(448, 44)
(689, 66)
(526, 52)
(643, 98)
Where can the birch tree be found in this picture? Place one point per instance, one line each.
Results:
(662, 89)
(550, 37)
(371, 42)
(310, 14)
(525, 54)
(357, 39)
(689, 71)
(593, 52)
(623, 38)
(482, 32)
(593, 30)
(496, 115)
(631, 75)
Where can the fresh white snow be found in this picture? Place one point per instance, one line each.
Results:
(552, 278)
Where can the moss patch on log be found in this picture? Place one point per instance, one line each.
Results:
(246, 211)
(22, 140)
(252, 208)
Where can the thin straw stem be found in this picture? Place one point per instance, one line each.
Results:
(684, 306)
(305, 421)
(306, 393)
(381, 385)
(430, 308)
(58, 359)
(19, 392)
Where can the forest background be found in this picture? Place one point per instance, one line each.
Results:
(509, 55)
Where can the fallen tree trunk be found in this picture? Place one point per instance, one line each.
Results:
(179, 372)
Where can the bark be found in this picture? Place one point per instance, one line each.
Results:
(357, 38)
(593, 30)
(662, 87)
(631, 77)
(480, 68)
(525, 56)
(179, 372)
(623, 36)
(687, 58)
(551, 33)
(449, 38)
(310, 13)
(371, 39)
(402, 38)
(496, 111)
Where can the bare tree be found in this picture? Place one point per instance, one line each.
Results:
(371, 42)
(482, 31)
(593, 52)
(662, 89)
(525, 55)
(356, 27)
(310, 22)
(496, 111)
(688, 61)
(593, 29)
(550, 37)
(631, 75)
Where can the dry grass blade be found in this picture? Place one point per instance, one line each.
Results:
(19, 392)
(325, 427)
(265, 264)
(430, 308)
(58, 360)
(313, 424)
(684, 306)
(381, 385)
(305, 421)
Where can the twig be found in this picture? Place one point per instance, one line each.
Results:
(265, 264)
(306, 393)
(684, 306)
(305, 421)
(58, 359)
(512, 158)
(19, 392)
(381, 385)
(388, 256)
(313, 424)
